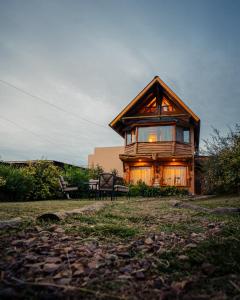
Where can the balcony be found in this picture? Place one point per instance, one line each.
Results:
(162, 149)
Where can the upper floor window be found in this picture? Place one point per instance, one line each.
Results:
(155, 134)
(151, 107)
(154, 106)
(183, 134)
(130, 137)
(166, 106)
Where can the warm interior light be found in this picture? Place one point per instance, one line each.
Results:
(139, 160)
(152, 138)
(173, 159)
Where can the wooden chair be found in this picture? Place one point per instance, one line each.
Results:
(65, 188)
(106, 185)
(93, 188)
(111, 184)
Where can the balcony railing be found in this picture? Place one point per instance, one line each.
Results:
(160, 148)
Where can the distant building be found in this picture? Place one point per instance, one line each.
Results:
(108, 158)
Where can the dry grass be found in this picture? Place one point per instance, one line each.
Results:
(209, 242)
(33, 208)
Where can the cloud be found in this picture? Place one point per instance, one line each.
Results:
(92, 58)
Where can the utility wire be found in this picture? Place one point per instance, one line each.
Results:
(26, 129)
(49, 103)
(53, 142)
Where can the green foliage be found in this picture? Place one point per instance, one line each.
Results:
(221, 169)
(94, 172)
(45, 176)
(114, 172)
(77, 177)
(2, 181)
(16, 183)
(40, 180)
(143, 190)
(35, 181)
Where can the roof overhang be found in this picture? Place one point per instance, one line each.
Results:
(156, 79)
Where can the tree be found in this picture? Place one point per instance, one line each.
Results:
(222, 168)
(94, 172)
(114, 172)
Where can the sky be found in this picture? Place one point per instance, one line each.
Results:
(68, 67)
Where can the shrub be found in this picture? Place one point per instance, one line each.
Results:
(173, 191)
(2, 181)
(77, 177)
(45, 177)
(94, 172)
(16, 183)
(143, 190)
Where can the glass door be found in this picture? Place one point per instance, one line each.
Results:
(140, 173)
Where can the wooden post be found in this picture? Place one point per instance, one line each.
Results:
(191, 166)
(174, 140)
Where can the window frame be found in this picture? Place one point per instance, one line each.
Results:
(174, 168)
(182, 134)
(172, 130)
(132, 134)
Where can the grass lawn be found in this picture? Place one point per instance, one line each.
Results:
(223, 201)
(33, 208)
(132, 249)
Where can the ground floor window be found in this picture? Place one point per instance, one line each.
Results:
(175, 175)
(140, 173)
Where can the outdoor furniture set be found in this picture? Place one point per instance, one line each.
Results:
(106, 185)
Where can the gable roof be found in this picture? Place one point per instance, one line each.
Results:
(156, 79)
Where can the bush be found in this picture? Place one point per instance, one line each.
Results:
(78, 177)
(40, 180)
(2, 181)
(45, 177)
(94, 172)
(143, 190)
(16, 184)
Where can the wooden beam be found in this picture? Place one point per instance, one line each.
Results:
(153, 116)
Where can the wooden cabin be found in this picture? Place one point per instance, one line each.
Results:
(161, 136)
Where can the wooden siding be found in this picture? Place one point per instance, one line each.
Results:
(183, 149)
(129, 149)
(163, 149)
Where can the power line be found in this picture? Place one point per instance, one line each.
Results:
(49, 103)
(26, 129)
(54, 142)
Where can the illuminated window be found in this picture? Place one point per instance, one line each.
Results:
(175, 176)
(140, 173)
(155, 134)
(166, 106)
(151, 107)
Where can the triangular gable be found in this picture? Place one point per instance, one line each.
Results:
(144, 91)
(154, 106)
